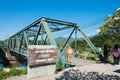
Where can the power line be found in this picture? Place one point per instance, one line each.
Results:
(94, 23)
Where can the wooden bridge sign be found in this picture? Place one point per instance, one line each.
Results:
(41, 60)
(42, 55)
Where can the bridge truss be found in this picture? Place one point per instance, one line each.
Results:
(40, 33)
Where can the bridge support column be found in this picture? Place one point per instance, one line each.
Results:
(7, 53)
(41, 70)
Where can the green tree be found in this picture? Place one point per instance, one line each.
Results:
(111, 29)
(112, 24)
(97, 40)
(1, 42)
(81, 45)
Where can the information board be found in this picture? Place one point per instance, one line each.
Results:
(42, 54)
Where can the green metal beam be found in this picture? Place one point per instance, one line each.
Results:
(21, 42)
(67, 40)
(10, 43)
(75, 41)
(52, 41)
(18, 43)
(14, 44)
(37, 34)
(26, 39)
(87, 40)
(45, 39)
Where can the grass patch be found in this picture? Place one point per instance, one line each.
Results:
(12, 72)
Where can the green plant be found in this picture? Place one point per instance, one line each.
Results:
(12, 72)
(110, 59)
(23, 72)
(2, 74)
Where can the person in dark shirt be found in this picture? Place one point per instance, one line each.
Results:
(106, 52)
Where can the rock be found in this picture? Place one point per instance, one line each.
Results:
(73, 74)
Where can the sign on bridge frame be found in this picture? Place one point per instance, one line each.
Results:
(42, 54)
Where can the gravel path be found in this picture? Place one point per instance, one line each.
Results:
(101, 68)
(82, 65)
(81, 62)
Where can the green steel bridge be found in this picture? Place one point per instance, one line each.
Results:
(41, 32)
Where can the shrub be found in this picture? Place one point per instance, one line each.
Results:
(2, 74)
(12, 72)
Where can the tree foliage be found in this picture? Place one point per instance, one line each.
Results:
(1, 42)
(81, 45)
(112, 24)
(111, 29)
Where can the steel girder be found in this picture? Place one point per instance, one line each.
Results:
(19, 42)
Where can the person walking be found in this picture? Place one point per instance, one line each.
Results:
(116, 54)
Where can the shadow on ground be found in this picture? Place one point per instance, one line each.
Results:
(117, 71)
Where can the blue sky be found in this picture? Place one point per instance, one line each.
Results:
(17, 14)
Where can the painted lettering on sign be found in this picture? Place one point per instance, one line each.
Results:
(42, 54)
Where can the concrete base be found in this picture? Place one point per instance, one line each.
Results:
(41, 70)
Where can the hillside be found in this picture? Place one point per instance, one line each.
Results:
(63, 39)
